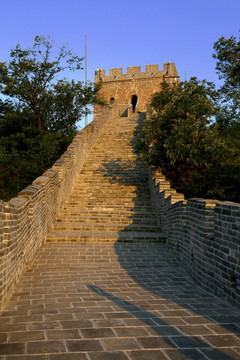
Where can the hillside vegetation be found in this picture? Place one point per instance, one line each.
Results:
(193, 134)
(39, 111)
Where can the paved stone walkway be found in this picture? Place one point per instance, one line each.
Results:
(114, 302)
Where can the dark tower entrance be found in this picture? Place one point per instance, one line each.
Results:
(134, 102)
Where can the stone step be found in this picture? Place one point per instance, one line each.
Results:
(89, 205)
(89, 179)
(110, 188)
(111, 183)
(110, 208)
(101, 169)
(106, 200)
(113, 186)
(116, 161)
(94, 205)
(110, 200)
(108, 212)
(114, 236)
(126, 165)
(103, 195)
(106, 227)
(100, 193)
(104, 219)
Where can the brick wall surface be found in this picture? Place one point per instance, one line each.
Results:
(121, 87)
(204, 235)
(26, 219)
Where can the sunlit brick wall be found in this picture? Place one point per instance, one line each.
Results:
(121, 87)
(26, 219)
(204, 235)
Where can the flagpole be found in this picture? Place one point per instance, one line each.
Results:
(86, 118)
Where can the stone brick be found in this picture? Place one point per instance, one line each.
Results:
(120, 344)
(223, 340)
(62, 334)
(97, 333)
(184, 354)
(26, 336)
(14, 348)
(68, 356)
(108, 356)
(146, 355)
(46, 347)
(25, 357)
(84, 345)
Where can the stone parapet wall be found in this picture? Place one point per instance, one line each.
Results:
(134, 72)
(140, 84)
(204, 235)
(26, 219)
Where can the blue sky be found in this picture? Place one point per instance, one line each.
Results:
(125, 32)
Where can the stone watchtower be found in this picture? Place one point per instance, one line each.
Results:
(134, 87)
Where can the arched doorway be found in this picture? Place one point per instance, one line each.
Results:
(134, 102)
(112, 100)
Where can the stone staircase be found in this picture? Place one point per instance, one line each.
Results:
(110, 200)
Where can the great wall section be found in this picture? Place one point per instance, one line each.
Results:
(26, 219)
(96, 256)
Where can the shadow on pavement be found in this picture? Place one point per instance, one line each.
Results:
(154, 268)
(187, 345)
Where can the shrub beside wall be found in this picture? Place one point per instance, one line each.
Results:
(26, 219)
(204, 235)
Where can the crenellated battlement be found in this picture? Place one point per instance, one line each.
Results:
(134, 72)
(135, 86)
(203, 234)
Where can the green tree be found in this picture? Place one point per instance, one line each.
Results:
(176, 105)
(39, 111)
(183, 141)
(30, 79)
(227, 54)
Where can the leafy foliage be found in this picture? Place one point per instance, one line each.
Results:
(181, 139)
(227, 54)
(39, 112)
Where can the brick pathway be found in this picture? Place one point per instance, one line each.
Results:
(109, 296)
(114, 302)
